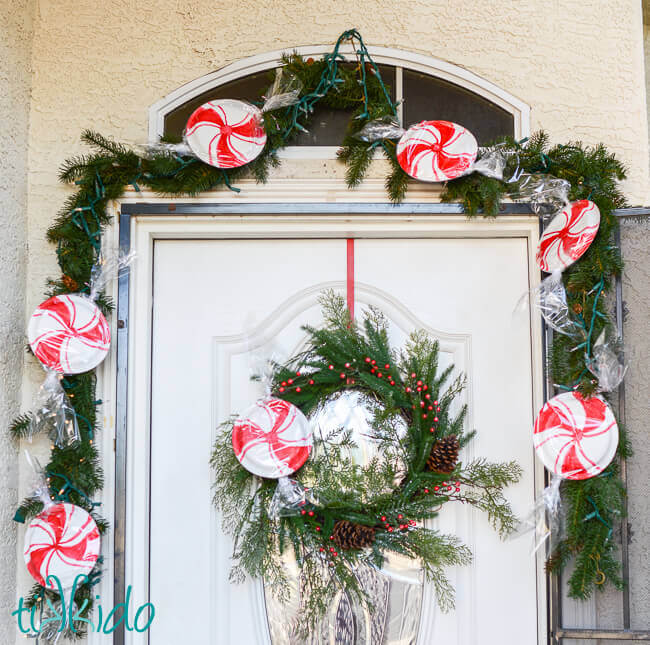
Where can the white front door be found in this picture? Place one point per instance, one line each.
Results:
(220, 305)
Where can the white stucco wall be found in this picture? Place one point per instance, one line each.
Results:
(15, 78)
(579, 65)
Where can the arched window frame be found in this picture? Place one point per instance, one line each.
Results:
(382, 55)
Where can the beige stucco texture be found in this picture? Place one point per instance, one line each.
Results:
(15, 78)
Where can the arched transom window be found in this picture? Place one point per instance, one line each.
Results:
(425, 87)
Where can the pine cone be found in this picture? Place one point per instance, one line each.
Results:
(444, 455)
(70, 283)
(348, 535)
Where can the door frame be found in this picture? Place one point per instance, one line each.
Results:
(124, 379)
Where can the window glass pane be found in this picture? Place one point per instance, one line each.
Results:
(427, 98)
(247, 88)
(327, 126)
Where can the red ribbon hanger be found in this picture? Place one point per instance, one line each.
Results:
(350, 277)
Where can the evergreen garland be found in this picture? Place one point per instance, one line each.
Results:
(594, 506)
(353, 500)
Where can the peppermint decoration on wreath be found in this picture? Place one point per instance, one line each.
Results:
(69, 334)
(568, 236)
(574, 436)
(62, 541)
(436, 150)
(226, 133)
(272, 438)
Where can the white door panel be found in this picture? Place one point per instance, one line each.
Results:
(221, 305)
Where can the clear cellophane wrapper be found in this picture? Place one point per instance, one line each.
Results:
(386, 127)
(157, 148)
(545, 520)
(284, 91)
(52, 622)
(107, 267)
(38, 486)
(290, 498)
(546, 194)
(550, 301)
(491, 162)
(53, 413)
(605, 364)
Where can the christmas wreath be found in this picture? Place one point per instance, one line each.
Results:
(347, 513)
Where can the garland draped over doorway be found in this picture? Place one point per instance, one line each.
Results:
(593, 506)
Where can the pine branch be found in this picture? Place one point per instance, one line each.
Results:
(20, 426)
(397, 181)
(357, 156)
(486, 482)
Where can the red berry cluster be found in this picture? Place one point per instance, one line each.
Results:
(401, 523)
(311, 514)
(289, 383)
(332, 551)
(427, 406)
(445, 487)
(377, 370)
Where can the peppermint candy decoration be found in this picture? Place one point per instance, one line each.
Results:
(62, 541)
(436, 150)
(576, 437)
(226, 133)
(568, 236)
(69, 334)
(272, 439)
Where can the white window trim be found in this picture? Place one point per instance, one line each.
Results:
(381, 55)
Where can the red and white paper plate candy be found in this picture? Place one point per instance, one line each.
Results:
(63, 540)
(69, 334)
(272, 438)
(226, 133)
(436, 150)
(568, 236)
(576, 437)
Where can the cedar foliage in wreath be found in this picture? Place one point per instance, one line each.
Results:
(361, 509)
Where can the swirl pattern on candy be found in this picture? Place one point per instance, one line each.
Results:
(576, 437)
(63, 540)
(272, 439)
(568, 236)
(226, 133)
(69, 334)
(436, 150)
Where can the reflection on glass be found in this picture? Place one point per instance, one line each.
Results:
(391, 617)
(350, 414)
(392, 614)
